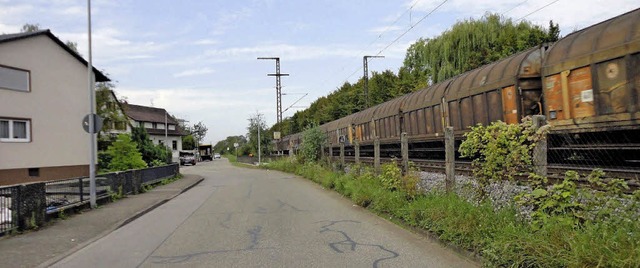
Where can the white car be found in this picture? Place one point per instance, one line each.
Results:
(216, 156)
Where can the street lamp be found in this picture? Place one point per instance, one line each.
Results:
(365, 66)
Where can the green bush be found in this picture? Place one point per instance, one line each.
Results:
(312, 140)
(500, 151)
(124, 154)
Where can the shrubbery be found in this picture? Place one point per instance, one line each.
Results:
(124, 154)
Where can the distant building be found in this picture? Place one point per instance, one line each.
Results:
(43, 98)
(158, 123)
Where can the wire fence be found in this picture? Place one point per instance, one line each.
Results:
(22, 205)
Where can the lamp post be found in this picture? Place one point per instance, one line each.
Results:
(92, 123)
(365, 66)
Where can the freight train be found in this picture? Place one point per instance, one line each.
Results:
(587, 85)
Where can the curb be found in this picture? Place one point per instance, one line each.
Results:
(116, 226)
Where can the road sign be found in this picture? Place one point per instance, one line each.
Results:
(97, 123)
(235, 144)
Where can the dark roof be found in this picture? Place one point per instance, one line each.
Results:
(100, 77)
(152, 114)
(147, 114)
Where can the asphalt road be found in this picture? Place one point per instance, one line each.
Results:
(239, 217)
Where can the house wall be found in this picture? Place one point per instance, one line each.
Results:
(175, 153)
(56, 105)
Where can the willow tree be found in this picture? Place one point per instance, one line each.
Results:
(470, 44)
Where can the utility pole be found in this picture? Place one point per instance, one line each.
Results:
(278, 87)
(365, 66)
(92, 123)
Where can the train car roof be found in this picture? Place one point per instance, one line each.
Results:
(609, 39)
(495, 75)
(390, 108)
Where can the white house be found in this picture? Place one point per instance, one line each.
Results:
(43, 98)
(162, 127)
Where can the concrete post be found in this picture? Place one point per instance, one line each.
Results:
(450, 159)
(330, 156)
(376, 155)
(342, 154)
(540, 150)
(404, 150)
(30, 205)
(356, 146)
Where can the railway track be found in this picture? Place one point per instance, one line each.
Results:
(555, 172)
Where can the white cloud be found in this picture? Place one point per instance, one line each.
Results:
(384, 29)
(111, 45)
(227, 19)
(72, 11)
(290, 52)
(193, 72)
(206, 42)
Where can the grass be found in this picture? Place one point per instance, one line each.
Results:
(499, 237)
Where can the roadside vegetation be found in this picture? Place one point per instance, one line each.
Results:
(542, 225)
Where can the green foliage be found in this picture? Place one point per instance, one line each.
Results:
(256, 121)
(470, 44)
(108, 107)
(199, 131)
(124, 154)
(29, 28)
(391, 176)
(149, 151)
(117, 195)
(221, 146)
(500, 151)
(188, 142)
(558, 203)
(312, 141)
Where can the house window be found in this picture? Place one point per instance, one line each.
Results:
(172, 127)
(15, 79)
(160, 126)
(120, 125)
(15, 130)
(175, 145)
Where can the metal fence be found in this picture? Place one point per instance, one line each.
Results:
(8, 211)
(22, 205)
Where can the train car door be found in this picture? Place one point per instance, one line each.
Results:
(510, 105)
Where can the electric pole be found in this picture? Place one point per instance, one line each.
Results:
(365, 66)
(278, 87)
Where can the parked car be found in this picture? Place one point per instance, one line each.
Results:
(216, 156)
(187, 159)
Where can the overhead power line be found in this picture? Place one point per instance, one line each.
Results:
(376, 39)
(553, 2)
(403, 34)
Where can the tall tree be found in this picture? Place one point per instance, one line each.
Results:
(256, 122)
(29, 28)
(470, 44)
(199, 131)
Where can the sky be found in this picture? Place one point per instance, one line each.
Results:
(197, 59)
